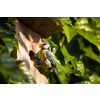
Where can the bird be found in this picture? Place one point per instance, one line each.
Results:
(46, 56)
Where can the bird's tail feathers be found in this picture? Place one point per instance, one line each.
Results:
(56, 70)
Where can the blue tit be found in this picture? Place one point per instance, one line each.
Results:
(46, 56)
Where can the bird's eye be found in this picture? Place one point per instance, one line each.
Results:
(43, 44)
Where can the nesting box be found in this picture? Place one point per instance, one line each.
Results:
(30, 31)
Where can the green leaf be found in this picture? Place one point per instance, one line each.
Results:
(91, 37)
(58, 54)
(95, 75)
(64, 74)
(74, 79)
(74, 72)
(63, 78)
(61, 68)
(67, 56)
(16, 43)
(3, 70)
(53, 78)
(69, 32)
(7, 34)
(89, 53)
(80, 67)
(82, 23)
(62, 41)
(74, 61)
(2, 79)
(11, 68)
(65, 20)
(96, 19)
(10, 20)
(89, 31)
(56, 38)
(2, 49)
(9, 44)
(81, 43)
(95, 78)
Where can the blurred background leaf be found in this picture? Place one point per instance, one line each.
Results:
(11, 71)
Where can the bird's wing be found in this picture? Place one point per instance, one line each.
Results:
(50, 58)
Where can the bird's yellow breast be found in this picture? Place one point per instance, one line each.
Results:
(44, 58)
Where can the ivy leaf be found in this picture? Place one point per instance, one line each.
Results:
(63, 70)
(88, 51)
(96, 19)
(7, 34)
(94, 78)
(85, 29)
(67, 56)
(65, 21)
(80, 67)
(11, 68)
(69, 32)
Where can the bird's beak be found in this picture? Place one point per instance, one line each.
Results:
(40, 46)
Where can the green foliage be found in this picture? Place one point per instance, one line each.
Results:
(76, 49)
(11, 71)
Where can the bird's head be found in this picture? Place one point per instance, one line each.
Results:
(45, 45)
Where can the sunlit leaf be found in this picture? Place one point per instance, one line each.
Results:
(91, 54)
(62, 41)
(95, 79)
(69, 32)
(88, 51)
(63, 78)
(74, 72)
(65, 20)
(91, 36)
(96, 19)
(80, 67)
(82, 23)
(67, 56)
(85, 29)
(74, 61)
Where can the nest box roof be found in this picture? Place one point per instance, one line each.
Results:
(44, 26)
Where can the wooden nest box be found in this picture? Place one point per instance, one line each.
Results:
(30, 32)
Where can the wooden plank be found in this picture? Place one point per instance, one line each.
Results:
(42, 25)
(50, 31)
(28, 21)
(32, 21)
(37, 22)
